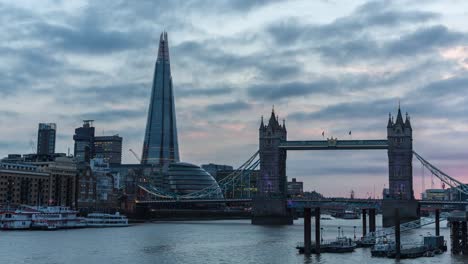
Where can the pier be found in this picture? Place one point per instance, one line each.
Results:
(458, 232)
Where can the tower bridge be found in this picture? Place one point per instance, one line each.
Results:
(270, 203)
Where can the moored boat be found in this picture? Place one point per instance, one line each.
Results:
(15, 220)
(366, 241)
(347, 214)
(382, 247)
(106, 220)
(413, 251)
(340, 245)
(56, 217)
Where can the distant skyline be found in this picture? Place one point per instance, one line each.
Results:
(333, 66)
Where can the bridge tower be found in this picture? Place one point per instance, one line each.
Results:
(400, 171)
(400, 156)
(269, 204)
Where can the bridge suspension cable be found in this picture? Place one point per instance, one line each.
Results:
(450, 181)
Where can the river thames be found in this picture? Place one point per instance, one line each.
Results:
(204, 242)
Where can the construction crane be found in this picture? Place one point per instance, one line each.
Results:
(134, 154)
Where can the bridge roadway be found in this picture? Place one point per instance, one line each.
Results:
(298, 203)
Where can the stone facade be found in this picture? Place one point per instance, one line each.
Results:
(400, 156)
(269, 203)
(39, 183)
(272, 178)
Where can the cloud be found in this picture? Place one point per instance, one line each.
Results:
(229, 107)
(88, 36)
(198, 92)
(293, 89)
(424, 39)
(219, 61)
(341, 70)
(369, 16)
(451, 87)
(421, 41)
(110, 115)
(354, 110)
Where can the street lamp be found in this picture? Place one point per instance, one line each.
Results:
(339, 228)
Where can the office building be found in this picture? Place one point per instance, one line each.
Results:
(184, 178)
(160, 146)
(295, 188)
(46, 138)
(108, 148)
(84, 142)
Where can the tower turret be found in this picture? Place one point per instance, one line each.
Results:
(262, 125)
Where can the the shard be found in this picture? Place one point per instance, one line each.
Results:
(160, 146)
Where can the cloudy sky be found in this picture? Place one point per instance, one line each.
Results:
(330, 66)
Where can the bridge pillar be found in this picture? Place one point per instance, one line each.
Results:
(396, 216)
(269, 204)
(437, 224)
(372, 220)
(307, 231)
(317, 230)
(364, 223)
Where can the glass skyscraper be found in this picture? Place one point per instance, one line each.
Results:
(160, 146)
(46, 138)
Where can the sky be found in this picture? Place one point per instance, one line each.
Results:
(333, 66)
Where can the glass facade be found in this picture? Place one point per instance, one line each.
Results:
(84, 142)
(46, 138)
(160, 145)
(109, 148)
(184, 178)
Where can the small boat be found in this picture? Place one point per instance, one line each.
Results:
(106, 220)
(382, 247)
(340, 245)
(347, 214)
(409, 252)
(326, 217)
(366, 242)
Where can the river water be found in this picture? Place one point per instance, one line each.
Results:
(204, 242)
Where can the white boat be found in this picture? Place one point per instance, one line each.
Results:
(15, 220)
(56, 217)
(106, 220)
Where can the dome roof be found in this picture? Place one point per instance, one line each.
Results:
(184, 178)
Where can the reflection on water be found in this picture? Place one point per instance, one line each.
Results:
(204, 242)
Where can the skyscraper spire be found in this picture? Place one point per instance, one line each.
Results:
(163, 51)
(160, 145)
